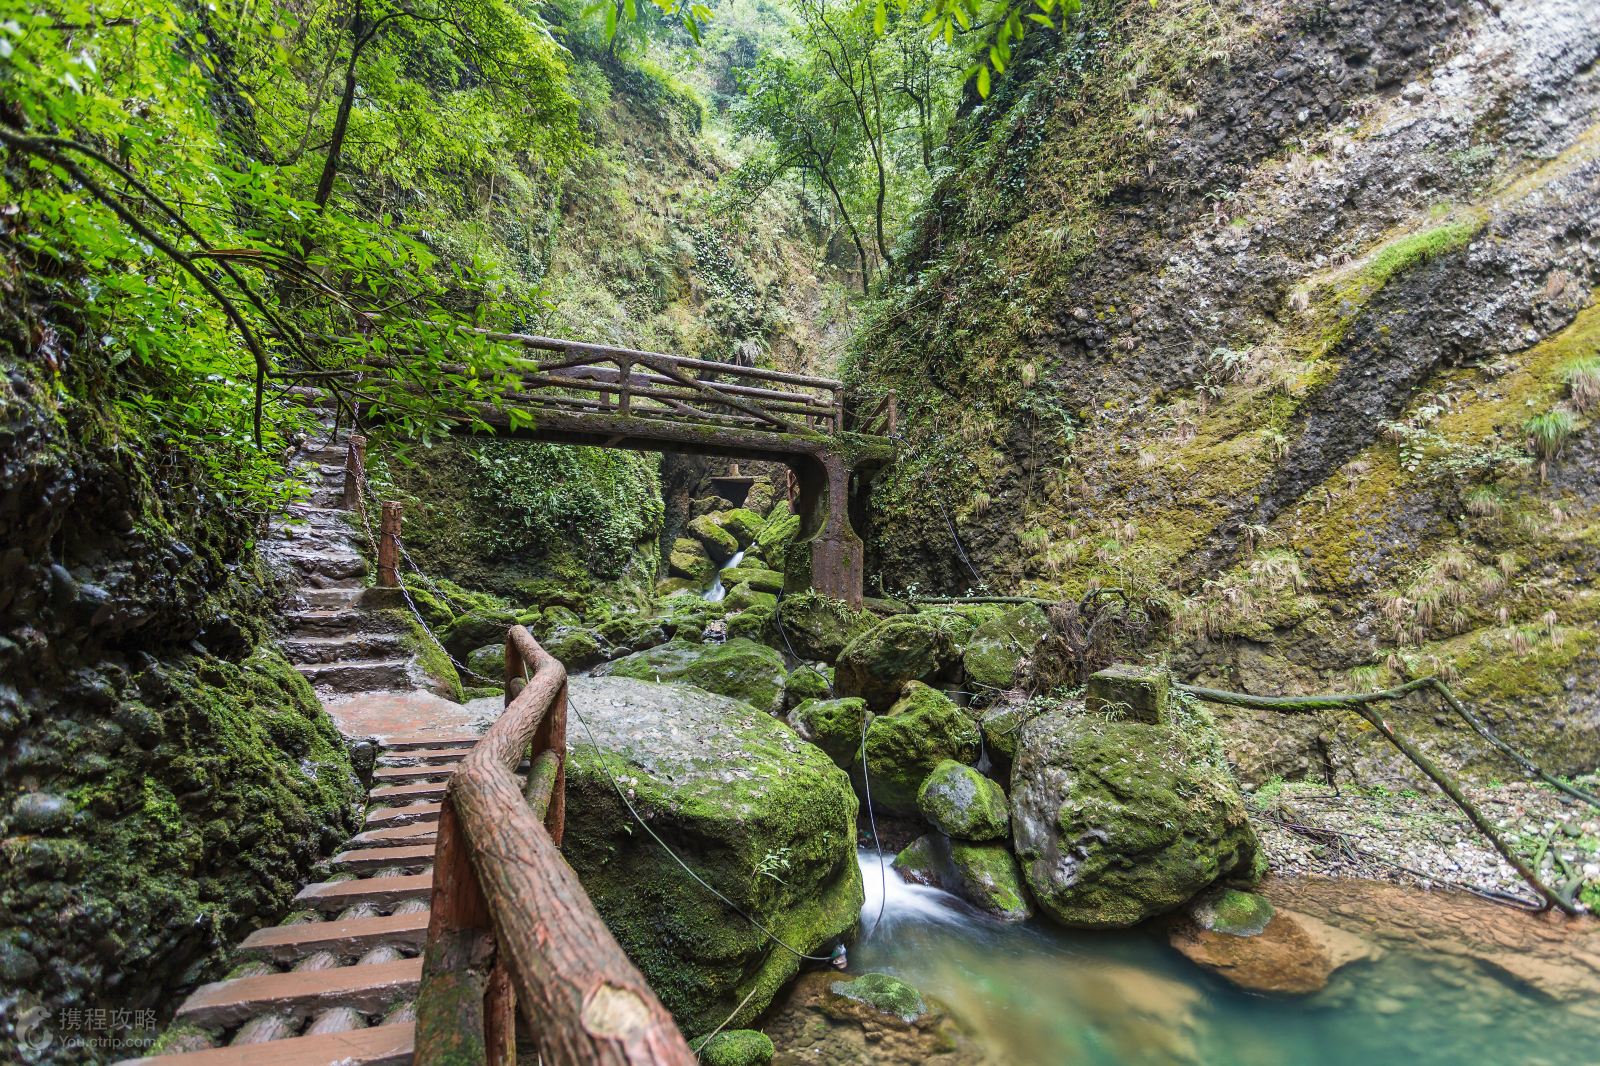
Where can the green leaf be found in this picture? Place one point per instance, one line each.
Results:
(983, 82)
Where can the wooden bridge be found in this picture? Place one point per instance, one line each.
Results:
(572, 392)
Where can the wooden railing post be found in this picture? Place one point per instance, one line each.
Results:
(389, 546)
(456, 964)
(625, 395)
(355, 466)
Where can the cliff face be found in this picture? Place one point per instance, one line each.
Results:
(165, 775)
(1282, 315)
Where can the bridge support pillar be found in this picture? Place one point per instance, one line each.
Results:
(827, 555)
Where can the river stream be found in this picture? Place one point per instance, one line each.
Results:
(1022, 994)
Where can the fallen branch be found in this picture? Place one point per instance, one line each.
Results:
(1360, 704)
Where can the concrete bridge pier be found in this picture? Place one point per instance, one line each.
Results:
(828, 555)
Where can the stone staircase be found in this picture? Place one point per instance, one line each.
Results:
(336, 981)
(332, 638)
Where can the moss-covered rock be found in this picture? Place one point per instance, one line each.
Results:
(743, 523)
(758, 813)
(884, 995)
(1001, 723)
(959, 801)
(668, 585)
(752, 623)
(631, 632)
(745, 595)
(921, 730)
(920, 861)
(739, 668)
(734, 1047)
(577, 648)
(914, 647)
(775, 540)
(761, 497)
(986, 876)
(820, 627)
(808, 681)
(1231, 911)
(1115, 821)
(719, 544)
(689, 560)
(835, 726)
(477, 628)
(489, 660)
(990, 658)
(759, 579)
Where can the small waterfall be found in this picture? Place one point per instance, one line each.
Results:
(715, 593)
(903, 901)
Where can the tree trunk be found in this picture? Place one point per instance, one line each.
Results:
(347, 100)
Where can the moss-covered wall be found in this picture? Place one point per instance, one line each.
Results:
(1270, 313)
(166, 778)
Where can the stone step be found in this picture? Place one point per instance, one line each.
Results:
(412, 773)
(413, 741)
(421, 790)
(423, 756)
(382, 1045)
(322, 560)
(399, 836)
(334, 596)
(301, 993)
(335, 896)
(326, 622)
(362, 676)
(355, 937)
(343, 649)
(361, 860)
(385, 817)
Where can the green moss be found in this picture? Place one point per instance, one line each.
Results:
(923, 729)
(433, 659)
(986, 876)
(990, 658)
(739, 668)
(718, 542)
(758, 578)
(819, 627)
(765, 818)
(734, 1047)
(960, 802)
(689, 560)
(835, 726)
(915, 647)
(884, 994)
(1234, 912)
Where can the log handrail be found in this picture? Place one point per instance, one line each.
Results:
(510, 925)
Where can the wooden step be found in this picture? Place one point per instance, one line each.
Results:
(382, 1045)
(420, 790)
(357, 936)
(359, 859)
(368, 989)
(407, 773)
(419, 756)
(408, 741)
(379, 891)
(382, 817)
(398, 836)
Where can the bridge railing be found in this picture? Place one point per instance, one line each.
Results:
(511, 927)
(603, 379)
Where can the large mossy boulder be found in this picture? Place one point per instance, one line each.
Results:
(835, 726)
(743, 524)
(478, 627)
(998, 645)
(1118, 820)
(745, 595)
(820, 627)
(918, 732)
(775, 540)
(757, 812)
(735, 1047)
(960, 802)
(740, 668)
(718, 542)
(575, 647)
(690, 560)
(758, 578)
(913, 647)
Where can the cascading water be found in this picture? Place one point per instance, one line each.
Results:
(1032, 993)
(715, 593)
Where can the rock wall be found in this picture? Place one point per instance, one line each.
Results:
(1281, 314)
(166, 777)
